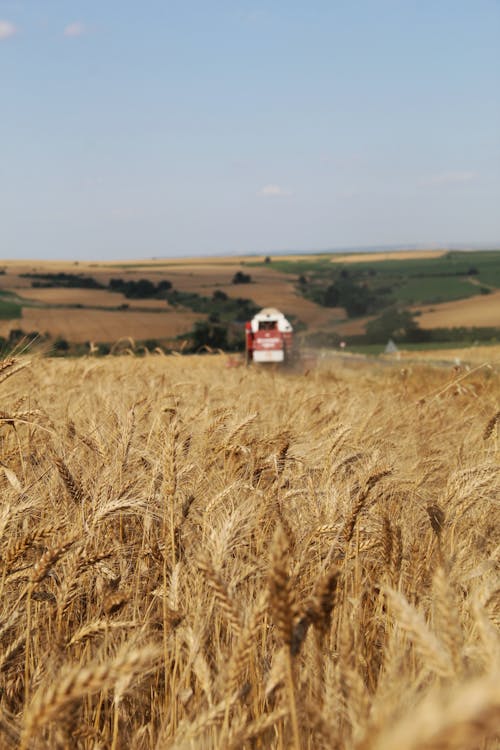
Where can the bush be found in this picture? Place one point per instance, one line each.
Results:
(61, 345)
(241, 278)
(66, 280)
(219, 296)
(142, 289)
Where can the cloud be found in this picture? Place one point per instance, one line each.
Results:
(449, 178)
(7, 29)
(273, 191)
(75, 29)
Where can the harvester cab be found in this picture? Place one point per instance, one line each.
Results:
(268, 337)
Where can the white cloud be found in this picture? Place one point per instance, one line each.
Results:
(273, 191)
(7, 29)
(75, 29)
(449, 178)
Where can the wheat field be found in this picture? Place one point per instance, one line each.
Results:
(197, 556)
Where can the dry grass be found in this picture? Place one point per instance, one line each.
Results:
(201, 557)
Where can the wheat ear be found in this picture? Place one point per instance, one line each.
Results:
(220, 592)
(48, 703)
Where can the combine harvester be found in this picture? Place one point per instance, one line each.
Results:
(268, 337)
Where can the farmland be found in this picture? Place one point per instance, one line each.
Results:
(483, 310)
(196, 556)
(324, 294)
(80, 325)
(203, 277)
(91, 298)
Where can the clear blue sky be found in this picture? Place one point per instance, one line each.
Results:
(138, 129)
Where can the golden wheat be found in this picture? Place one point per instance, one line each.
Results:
(198, 557)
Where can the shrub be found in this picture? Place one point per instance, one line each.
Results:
(219, 296)
(241, 278)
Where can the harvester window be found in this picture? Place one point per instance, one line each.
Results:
(267, 325)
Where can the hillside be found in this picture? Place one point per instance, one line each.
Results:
(160, 301)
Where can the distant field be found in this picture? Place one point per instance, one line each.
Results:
(444, 286)
(400, 278)
(483, 310)
(79, 325)
(435, 289)
(479, 311)
(269, 287)
(9, 307)
(88, 298)
(388, 255)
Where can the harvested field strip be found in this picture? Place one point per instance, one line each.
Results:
(389, 255)
(86, 297)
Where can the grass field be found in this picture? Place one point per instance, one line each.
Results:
(434, 290)
(196, 556)
(9, 308)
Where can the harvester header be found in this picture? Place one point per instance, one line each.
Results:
(269, 337)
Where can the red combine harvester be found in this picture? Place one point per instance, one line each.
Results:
(268, 337)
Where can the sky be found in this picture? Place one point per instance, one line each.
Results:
(194, 127)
